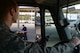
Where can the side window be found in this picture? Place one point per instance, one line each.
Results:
(50, 30)
(73, 17)
(27, 17)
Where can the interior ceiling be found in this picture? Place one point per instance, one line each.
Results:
(46, 2)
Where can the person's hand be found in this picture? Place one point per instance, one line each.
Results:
(75, 41)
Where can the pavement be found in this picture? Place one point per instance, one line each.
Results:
(31, 32)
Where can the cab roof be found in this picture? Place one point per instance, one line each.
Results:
(46, 2)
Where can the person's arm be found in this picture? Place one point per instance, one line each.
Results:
(15, 44)
(60, 48)
(66, 47)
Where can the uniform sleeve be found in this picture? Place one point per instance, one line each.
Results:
(13, 44)
(9, 42)
(62, 48)
(16, 44)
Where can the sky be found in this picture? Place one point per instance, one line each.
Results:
(77, 6)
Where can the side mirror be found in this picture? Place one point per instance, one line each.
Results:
(64, 22)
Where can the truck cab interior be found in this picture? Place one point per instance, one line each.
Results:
(52, 16)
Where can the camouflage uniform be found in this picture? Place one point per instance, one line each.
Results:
(9, 42)
(61, 48)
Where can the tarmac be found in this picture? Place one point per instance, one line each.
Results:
(33, 31)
